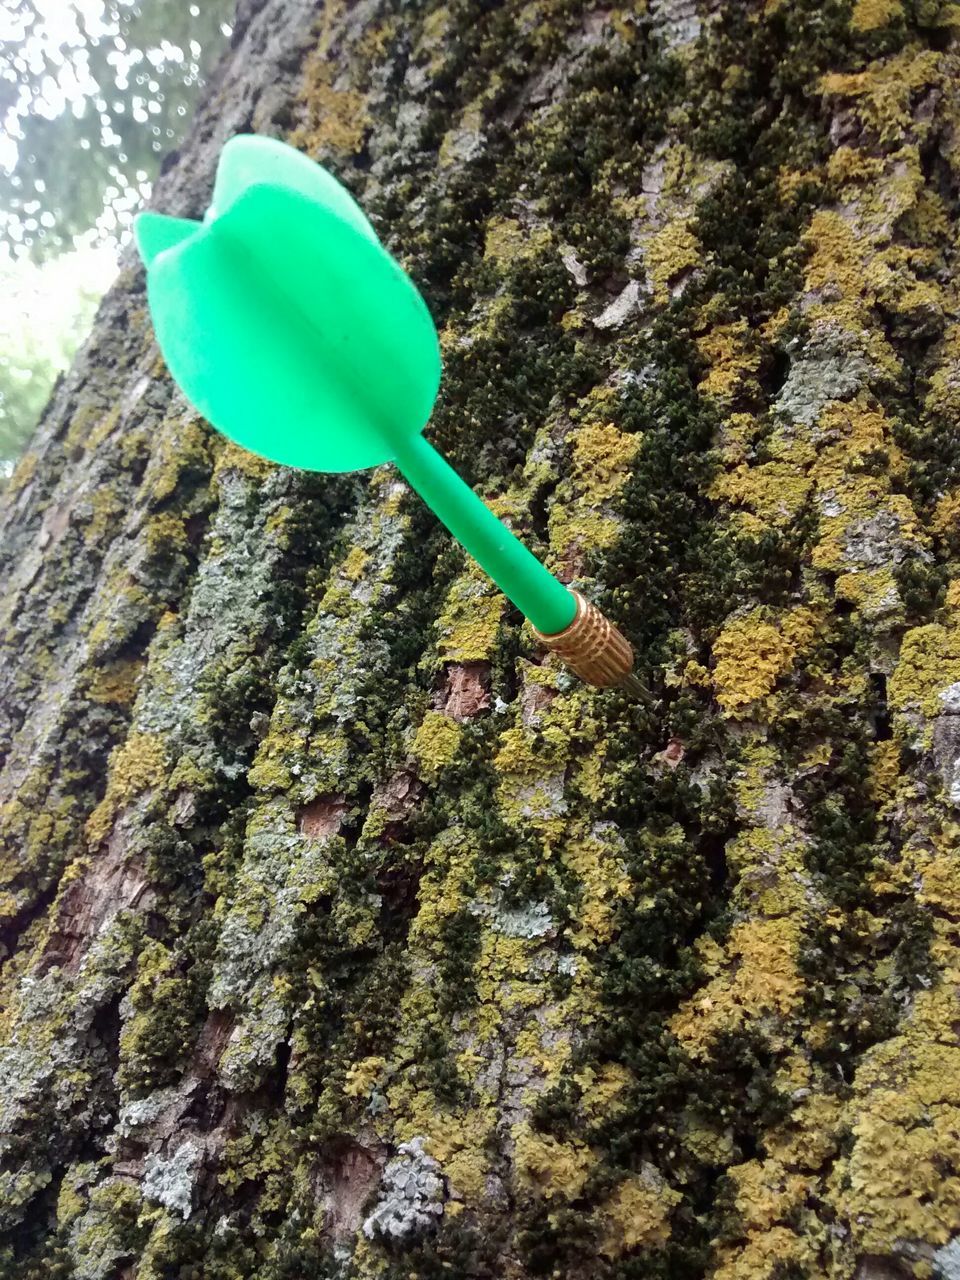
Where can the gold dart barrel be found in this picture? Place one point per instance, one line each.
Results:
(595, 650)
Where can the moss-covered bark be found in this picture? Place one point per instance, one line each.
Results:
(346, 937)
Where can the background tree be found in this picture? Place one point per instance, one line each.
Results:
(343, 935)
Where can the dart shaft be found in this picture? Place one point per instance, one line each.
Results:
(516, 571)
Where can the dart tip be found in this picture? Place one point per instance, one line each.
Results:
(631, 685)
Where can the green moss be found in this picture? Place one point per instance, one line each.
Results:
(166, 1005)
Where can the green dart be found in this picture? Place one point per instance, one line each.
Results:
(289, 326)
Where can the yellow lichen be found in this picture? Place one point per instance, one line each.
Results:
(946, 520)
(731, 359)
(791, 181)
(637, 1214)
(182, 444)
(769, 866)
(670, 252)
(362, 1076)
(752, 654)
(337, 118)
(433, 46)
(23, 473)
(851, 434)
(852, 265)
(355, 563)
(531, 769)
(165, 533)
(117, 683)
(850, 165)
(883, 92)
(944, 394)
(231, 457)
(550, 1168)
(939, 873)
(835, 266)
(763, 983)
(442, 895)
(461, 1145)
(468, 130)
(884, 770)
(135, 766)
(102, 430)
(70, 1202)
(899, 1181)
(435, 742)
(581, 517)
(873, 591)
(707, 1142)
(574, 320)
(869, 15)
(814, 1127)
(105, 511)
(603, 1090)
(929, 662)
(506, 240)
(470, 619)
(819, 755)
(459, 1140)
(603, 883)
(504, 980)
(766, 1192)
(86, 420)
(696, 675)
(772, 493)
(752, 779)
(763, 1254)
(602, 455)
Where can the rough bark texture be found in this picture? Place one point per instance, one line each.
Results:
(346, 937)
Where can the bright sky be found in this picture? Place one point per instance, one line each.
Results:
(42, 303)
(58, 29)
(60, 37)
(42, 307)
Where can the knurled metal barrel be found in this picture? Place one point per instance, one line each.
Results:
(592, 647)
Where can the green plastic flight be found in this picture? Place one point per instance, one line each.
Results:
(289, 326)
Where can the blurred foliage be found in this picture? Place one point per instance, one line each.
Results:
(46, 313)
(93, 94)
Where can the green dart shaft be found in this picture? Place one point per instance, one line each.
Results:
(516, 570)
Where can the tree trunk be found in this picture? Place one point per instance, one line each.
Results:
(345, 935)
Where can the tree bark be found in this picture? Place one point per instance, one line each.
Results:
(345, 935)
